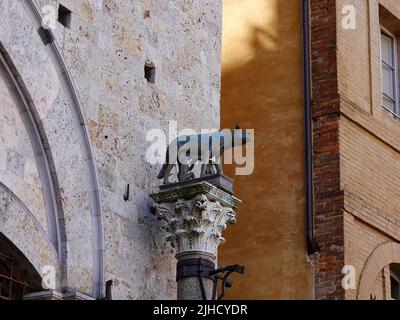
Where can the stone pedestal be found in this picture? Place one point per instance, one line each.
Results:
(195, 215)
(217, 180)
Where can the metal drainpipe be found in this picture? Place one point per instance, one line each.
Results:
(312, 247)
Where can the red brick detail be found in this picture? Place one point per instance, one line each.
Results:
(328, 198)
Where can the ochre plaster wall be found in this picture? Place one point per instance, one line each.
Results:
(262, 90)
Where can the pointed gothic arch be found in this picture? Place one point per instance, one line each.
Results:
(71, 190)
(18, 277)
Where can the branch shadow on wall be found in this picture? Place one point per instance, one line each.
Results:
(265, 93)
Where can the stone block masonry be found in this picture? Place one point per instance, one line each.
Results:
(106, 46)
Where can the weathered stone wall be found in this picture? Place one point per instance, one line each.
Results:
(17, 165)
(93, 107)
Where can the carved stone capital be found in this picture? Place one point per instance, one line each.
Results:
(195, 223)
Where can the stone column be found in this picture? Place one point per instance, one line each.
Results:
(194, 215)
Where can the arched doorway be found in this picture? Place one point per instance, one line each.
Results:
(17, 275)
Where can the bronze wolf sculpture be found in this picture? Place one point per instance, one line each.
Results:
(185, 151)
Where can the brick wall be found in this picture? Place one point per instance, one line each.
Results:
(328, 195)
(369, 151)
(357, 150)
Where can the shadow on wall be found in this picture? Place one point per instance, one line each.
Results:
(262, 90)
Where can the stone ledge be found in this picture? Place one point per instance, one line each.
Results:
(56, 295)
(187, 190)
(220, 181)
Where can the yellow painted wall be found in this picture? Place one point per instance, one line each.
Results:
(262, 90)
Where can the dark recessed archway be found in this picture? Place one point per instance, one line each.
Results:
(395, 281)
(18, 277)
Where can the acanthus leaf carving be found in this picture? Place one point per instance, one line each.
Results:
(196, 224)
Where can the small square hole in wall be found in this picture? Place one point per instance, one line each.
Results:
(45, 36)
(150, 72)
(64, 16)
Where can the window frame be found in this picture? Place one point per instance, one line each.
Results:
(397, 279)
(395, 68)
(10, 280)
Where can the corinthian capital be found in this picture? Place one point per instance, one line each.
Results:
(196, 224)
